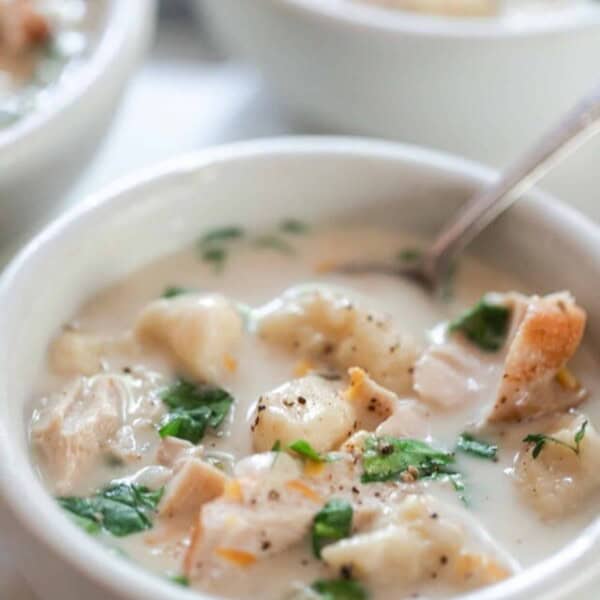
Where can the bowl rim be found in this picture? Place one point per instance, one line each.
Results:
(39, 514)
(364, 18)
(119, 37)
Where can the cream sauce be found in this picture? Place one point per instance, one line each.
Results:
(254, 276)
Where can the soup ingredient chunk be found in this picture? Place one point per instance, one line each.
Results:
(311, 408)
(200, 333)
(21, 26)
(329, 328)
(196, 483)
(414, 541)
(90, 419)
(557, 476)
(518, 377)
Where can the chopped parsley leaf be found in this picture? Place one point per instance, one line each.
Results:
(275, 243)
(194, 407)
(222, 234)
(180, 580)
(305, 450)
(121, 509)
(485, 324)
(539, 440)
(173, 291)
(331, 524)
(386, 458)
(480, 448)
(215, 256)
(339, 589)
(294, 226)
(409, 254)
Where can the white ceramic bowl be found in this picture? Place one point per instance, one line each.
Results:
(147, 216)
(482, 88)
(44, 152)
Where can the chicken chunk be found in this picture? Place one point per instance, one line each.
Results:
(415, 543)
(329, 328)
(196, 483)
(518, 380)
(173, 451)
(559, 480)
(380, 410)
(78, 353)
(21, 26)
(92, 418)
(310, 408)
(200, 333)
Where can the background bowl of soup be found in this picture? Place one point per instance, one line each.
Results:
(321, 181)
(482, 85)
(57, 103)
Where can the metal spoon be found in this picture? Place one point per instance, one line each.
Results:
(431, 268)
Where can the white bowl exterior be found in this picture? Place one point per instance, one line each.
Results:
(133, 223)
(42, 156)
(477, 91)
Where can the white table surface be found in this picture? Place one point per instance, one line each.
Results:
(184, 98)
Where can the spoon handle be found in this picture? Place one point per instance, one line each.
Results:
(575, 128)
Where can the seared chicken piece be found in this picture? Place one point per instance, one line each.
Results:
(200, 333)
(558, 480)
(519, 379)
(93, 418)
(332, 330)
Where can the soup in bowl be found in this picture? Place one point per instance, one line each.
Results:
(200, 401)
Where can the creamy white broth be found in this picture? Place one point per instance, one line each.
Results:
(28, 74)
(255, 276)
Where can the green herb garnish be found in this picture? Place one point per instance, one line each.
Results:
(121, 509)
(339, 589)
(193, 409)
(331, 524)
(539, 440)
(276, 446)
(222, 234)
(180, 580)
(173, 291)
(305, 450)
(386, 458)
(216, 257)
(486, 325)
(471, 445)
(294, 226)
(410, 255)
(275, 243)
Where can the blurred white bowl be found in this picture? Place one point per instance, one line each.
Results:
(481, 87)
(44, 152)
(162, 210)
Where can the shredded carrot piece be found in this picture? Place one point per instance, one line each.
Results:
(312, 468)
(302, 368)
(567, 380)
(357, 378)
(230, 363)
(301, 487)
(233, 491)
(325, 266)
(237, 557)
